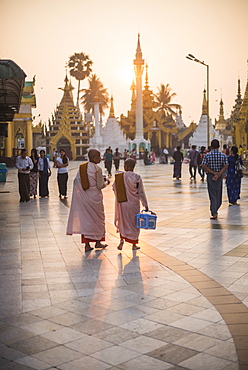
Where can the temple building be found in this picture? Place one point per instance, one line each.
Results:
(20, 129)
(223, 127)
(159, 128)
(111, 134)
(200, 136)
(67, 129)
(239, 119)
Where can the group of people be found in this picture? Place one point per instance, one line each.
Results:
(217, 165)
(36, 170)
(87, 215)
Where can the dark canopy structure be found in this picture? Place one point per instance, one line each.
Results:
(12, 80)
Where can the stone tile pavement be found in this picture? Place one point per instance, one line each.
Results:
(178, 303)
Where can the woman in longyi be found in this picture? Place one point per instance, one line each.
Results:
(87, 212)
(129, 192)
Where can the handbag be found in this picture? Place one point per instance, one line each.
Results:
(239, 166)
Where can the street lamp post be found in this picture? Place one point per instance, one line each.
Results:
(191, 57)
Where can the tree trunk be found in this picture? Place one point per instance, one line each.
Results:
(78, 93)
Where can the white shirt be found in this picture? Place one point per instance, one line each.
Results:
(62, 169)
(24, 163)
(41, 164)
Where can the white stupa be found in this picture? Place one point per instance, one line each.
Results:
(200, 136)
(109, 135)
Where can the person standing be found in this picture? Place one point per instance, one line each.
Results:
(62, 164)
(234, 176)
(87, 211)
(109, 161)
(193, 154)
(44, 173)
(215, 164)
(117, 157)
(152, 157)
(24, 164)
(165, 153)
(129, 191)
(178, 158)
(200, 158)
(34, 173)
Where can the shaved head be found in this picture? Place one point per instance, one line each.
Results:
(93, 153)
(129, 164)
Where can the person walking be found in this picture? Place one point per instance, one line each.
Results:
(87, 211)
(200, 158)
(24, 164)
(129, 191)
(44, 174)
(234, 176)
(215, 164)
(62, 164)
(193, 154)
(33, 176)
(178, 158)
(117, 157)
(108, 156)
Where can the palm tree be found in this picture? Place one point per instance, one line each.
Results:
(80, 68)
(163, 100)
(95, 89)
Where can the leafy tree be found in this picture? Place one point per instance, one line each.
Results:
(80, 67)
(95, 89)
(163, 100)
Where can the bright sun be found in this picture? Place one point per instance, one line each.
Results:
(127, 74)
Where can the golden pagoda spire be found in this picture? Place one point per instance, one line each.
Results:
(67, 97)
(146, 79)
(111, 112)
(133, 99)
(138, 50)
(204, 103)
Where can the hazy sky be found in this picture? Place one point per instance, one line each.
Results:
(40, 35)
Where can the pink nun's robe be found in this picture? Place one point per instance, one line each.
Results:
(87, 212)
(125, 212)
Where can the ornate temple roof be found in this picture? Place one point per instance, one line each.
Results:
(67, 97)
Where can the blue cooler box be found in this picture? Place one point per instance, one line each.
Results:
(146, 221)
(3, 172)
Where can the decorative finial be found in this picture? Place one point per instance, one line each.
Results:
(138, 50)
(111, 112)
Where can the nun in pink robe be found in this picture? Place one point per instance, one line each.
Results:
(125, 211)
(87, 212)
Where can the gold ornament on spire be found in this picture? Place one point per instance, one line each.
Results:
(111, 112)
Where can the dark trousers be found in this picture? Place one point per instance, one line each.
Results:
(201, 172)
(43, 184)
(215, 193)
(24, 186)
(62, 179)
(192, 170)
(117, 164)
(109, 166)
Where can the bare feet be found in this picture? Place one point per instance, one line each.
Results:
(120, 246)
(88, 247)
(135, 247)
(100, 245)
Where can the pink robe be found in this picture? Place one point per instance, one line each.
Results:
(125, 212)
(87, 212)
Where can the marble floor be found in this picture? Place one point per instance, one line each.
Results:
(181, 302)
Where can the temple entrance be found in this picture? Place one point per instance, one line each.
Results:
(64, 143)
(154, 142)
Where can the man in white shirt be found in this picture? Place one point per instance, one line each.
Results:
(166, 153)
(24, 164)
